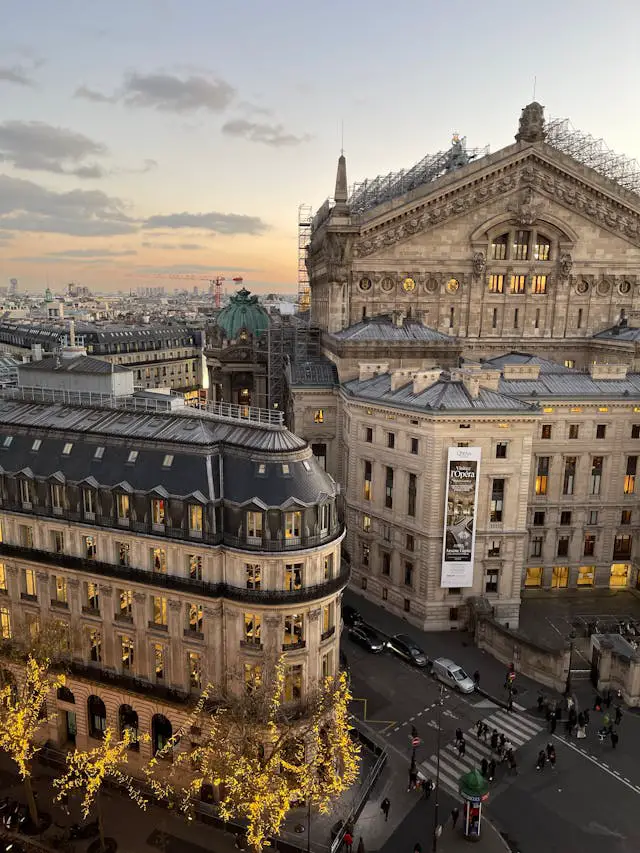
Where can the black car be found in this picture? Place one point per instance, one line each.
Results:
(406, 648)
(351, 616)
(365, 636)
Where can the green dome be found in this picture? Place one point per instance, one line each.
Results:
(243, 312)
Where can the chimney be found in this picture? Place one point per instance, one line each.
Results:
(72, 333)
(401, 377)
(472, 383)
(36, 352)
(424, 379)
(369, 369)
(608, 371)
(521, 371)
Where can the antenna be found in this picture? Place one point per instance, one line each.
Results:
(535, 80)
(341, 137)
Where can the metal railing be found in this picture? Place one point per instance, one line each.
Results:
(183, 584)
(128, 682)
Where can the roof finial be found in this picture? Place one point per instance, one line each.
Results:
(341, 194)
(535, 80)
(341, 137)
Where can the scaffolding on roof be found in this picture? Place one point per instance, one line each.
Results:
(594, 153)
(370, 193)
(305, 221)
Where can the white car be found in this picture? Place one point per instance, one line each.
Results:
(453, 675)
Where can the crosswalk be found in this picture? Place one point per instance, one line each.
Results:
(452, 766)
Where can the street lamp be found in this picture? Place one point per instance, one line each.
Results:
(567, 688)
(436, 826)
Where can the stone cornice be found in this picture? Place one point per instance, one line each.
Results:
(535, 173)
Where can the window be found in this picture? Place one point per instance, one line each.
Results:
(122, 503)
(569, 478)
(3, 578)
(499, 247)
(167, 462)
(491, 580)
(195, 617)
(521, 245)
(517, 283)
(327, 665)
(538, 518)
(195, 518)
(324, 515)
(29, 579)
(126, 653)
(386, 563)
(159, 610)
(194, 665)
(542, 248)
(533, 576)
(497, 500)
(579, 320)
(26, 536)
(601, 431)
(293, 630)
(25, 491)
(501, 450)
(254, 527)
(57, 541)
(366, 553)
(593, 516)
(366, 523)
(391, 440)
(5, 623)
(125, 602)
(367, 492)
(560, 577)
(95, 645)
(494, 548)
(585, 576)
(538, 284)
(158, 507)
(293, 576)
(158, 661)
(565, 518)
(158, 557)
(194, 567)
(92, 596)
(589, 545)
(252, 628)
(625, 517)
(386, 532)
(574, 430)
(99, 453)
(622, 546)
(368, 435)
(570, 362)
(546, 431)
(88, 502)
(411, 496)
(542, 476)
(630, 476)
(36, 444)
(494, 319)
(328, 620)
(61, 593)
(411, 542)
(563, 546)
(619, 575)
(515, 318)
(292, 525)
(635, 431)
(318, 417)
(408, 573)
(328, 567)
(133, 455)
(57, 496)
(388, 488)
(252, 676)
(253, 575)
(66, 450)
(91, 548)
(595, 481)
(285, 467)
(536, 546)
(7, 441)
(293, 683)
(496, 283)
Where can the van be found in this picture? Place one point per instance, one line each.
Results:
(453, 675)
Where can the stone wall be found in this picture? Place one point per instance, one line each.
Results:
(619, 671)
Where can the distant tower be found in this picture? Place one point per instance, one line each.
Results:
(13, 286)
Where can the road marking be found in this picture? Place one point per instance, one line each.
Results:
(634, 788)
(404, 724)
(419, 713)
(411, 719)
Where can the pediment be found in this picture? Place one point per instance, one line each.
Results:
(530, 179)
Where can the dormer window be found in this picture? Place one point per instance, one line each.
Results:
(499, 247)
(88, 503)
(254, 528)
(292, 526)
(285, 468)
(122, 503)
(132, 457)
(25, 491)
(158, 512)
(56, 498)
(66, 450)
(324, 513)
(99, 453)
(167, 462)
(195, 519)
(36, 444)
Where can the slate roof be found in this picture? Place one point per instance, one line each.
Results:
(81, 364)
(444, 395)
(382, 328)
(573, 385)
(545, 364)
(320, 372)
(619, 333)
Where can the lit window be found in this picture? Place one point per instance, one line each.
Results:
(194, 562)
(253, 574)
(252, 628)
(30, 588)
(5, 623)
(533, 576)
(95, 645)
(252, 676)
(367, 480)
(585, 576)
(254, 526)
(92, 595)
(570, 362)
(285, 468)
(3, 577)
(366, 523)
(194, 663)
(630, 475)
(542, 248)
(167, 462)
(66, 450)
(159, 610)
(496, 283)
(158, 560)
(542, 475)
(499, 247)
(195, 518)
(318, 416)
(539, 284)
(328, 567)
(122, 502)
(133, 456)
(36, 444)
(158, 661)
(262, 468)
(292, 524)
(126, 651)
(521, 246)
(195, 618)
(126, 602)
(517, 283)
(293, 576)
(293, 683)
(293, 630)
(158, 511)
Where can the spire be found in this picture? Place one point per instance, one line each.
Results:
(341, 194)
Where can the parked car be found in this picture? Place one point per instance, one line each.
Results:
(367, 637)
(406, 648)
(453, 675)
(351, 616)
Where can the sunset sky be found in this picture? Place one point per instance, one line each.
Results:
(144, 137)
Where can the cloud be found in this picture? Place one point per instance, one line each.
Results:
(46, 259)
(38, 146)
(5, 236)
(176, 269)
(92, 253)
(26, 206)
(221, 223)
(15, 74)
(148, 165)
(186, 247)
(93, 95)
(168, 93)
(267, 134)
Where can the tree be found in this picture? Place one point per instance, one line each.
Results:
(88, 771)
(22, 716)
(265, 755)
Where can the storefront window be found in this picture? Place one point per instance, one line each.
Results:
(560, 577)
(533, 577)
(619, 575)
(586, 575)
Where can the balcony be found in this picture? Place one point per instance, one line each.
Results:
(127, 682)
(252, 645)
(183, 584)
(297, 543)
(328, 633)
(190, 634)
(294, 647)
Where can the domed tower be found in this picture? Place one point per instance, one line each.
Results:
(243, 316)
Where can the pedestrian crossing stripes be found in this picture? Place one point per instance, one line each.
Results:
(452, 765)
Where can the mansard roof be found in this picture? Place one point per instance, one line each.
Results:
(382, 328)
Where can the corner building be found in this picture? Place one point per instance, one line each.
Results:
(181, 551)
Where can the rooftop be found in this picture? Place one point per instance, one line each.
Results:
(382, 328)
(320, 372)
(619, 333)
(82, 364)
(524, 358)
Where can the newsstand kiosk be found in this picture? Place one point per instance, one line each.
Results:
(474, 790)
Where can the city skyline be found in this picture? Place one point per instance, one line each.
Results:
(142, 141)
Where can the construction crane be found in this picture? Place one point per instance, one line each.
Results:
(215, 284)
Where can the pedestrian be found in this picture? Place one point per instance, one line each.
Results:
(597, 703)
(586, 716)
(618, 715)
(510, 702)
(385, 805)
(542, 760)
(494, 740)
(485, 732)
(428, 788)
(413, 777)
(512, 761)
(580, 720)
(606, 721)
(492, 770)
(360, 848)
(614, 739)
(476, 678)
(455, 814)
(417, 847)
(348, 842)
(553, 723)
(503, 740)
(608, 698)
(552, 758)
(484, 767)
(479, 729)
(549, 750)
(462, 747)
(540, 702)
(570, 703)
(458, 735)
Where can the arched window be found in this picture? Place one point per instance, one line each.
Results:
(65, 695)
(542, 248)
(499, 247)
(161, 732)
(128, 720)
(97, 714)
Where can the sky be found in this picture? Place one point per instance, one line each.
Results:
(141, 139)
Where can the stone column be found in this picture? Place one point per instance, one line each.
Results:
(213, 644)
(176, 629)
(110, 651)
(314, 661)
(142, 665)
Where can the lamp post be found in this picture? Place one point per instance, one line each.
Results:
(436, 825)
(308, 824)
(567, 688)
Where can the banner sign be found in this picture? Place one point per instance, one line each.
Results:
(460, 510)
